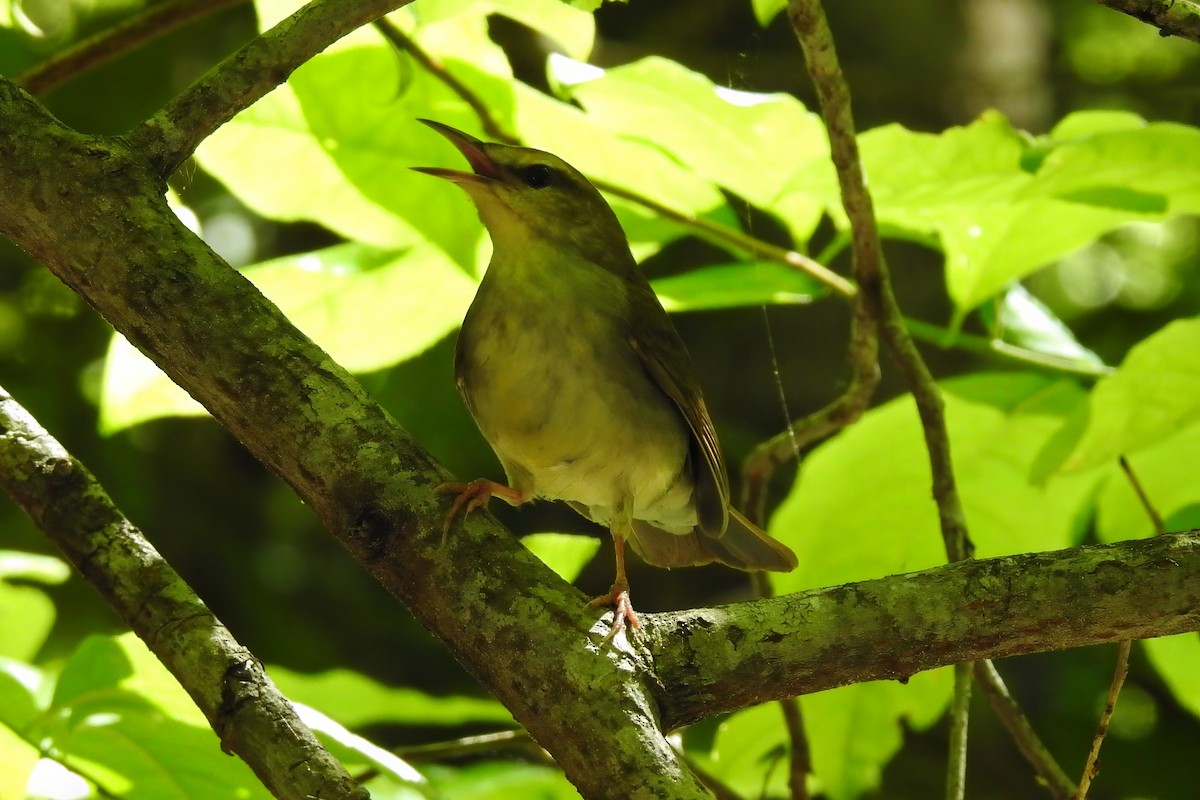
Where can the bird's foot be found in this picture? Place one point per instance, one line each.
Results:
(623, 613)
(471, 496)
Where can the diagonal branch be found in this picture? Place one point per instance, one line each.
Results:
(1171, 17)
(92, 211)
(225, 680)
(169, 137)
(112, 42)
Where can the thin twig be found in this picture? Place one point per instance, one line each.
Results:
(169, 137)
(1049, 773)
(109, 43)
(1091, 767)
(812, 29)
(1156, 519)
(225, 680)
(799, 755)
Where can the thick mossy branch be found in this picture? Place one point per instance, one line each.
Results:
(92, 211)
(169, 137)
(226, 681)
(1171, 17)
(721, 659)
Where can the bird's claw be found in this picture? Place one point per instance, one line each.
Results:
(623, 613)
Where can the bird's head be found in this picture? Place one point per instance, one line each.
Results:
(524, 194)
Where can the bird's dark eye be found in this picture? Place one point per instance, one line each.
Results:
(538, 176)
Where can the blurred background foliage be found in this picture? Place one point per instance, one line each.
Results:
(385, 291)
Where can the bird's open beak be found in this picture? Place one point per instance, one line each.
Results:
(485, 168)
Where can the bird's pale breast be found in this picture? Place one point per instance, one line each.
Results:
(565, 402)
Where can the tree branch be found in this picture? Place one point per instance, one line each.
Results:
(92, 211)
(169, 137)
(714, 660)
(226, 681)
(112, 42)
(1171, 17)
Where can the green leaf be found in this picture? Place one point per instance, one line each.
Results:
(1154, 394)
(351, 748)
(767, 10)
(750, 752)
(19, 758)
(26, 612)
(368, 308)
(853, 731)
(1002, 205)
(1175, 659)
(1084, 124)
(356, 700)
(137, 753)
(20, 685)
(564, 553)
(503, 780)
(573, 29)
(635, 165)
(733, 285)
(1026, 321)
(1171, 486)
(334, 144)
(105, 667)
(997, 425)
(749, 143)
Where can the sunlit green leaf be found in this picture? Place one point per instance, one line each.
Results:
(997, 425)
(356, 700)
(733, 285)
(564, 553)
(1154, 394)
(20, 685)
(503, 780)
(767, 10)
(19, 757)
(1026, 321)
(369, 308)
(751, 752)
(1165, 471)
(348, 746)
(1002, 204)
(1175, 659)
(854, 731)
(26, 612)
(749, 143)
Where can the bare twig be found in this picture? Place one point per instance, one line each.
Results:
(152, 22)
(172, 135)
(1050, 774)
(224, 679)
(1091, 767)
(1155, 518)
(1172, 17)
(812, 29)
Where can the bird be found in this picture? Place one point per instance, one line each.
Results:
(580, 383)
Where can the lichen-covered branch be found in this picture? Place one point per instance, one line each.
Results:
(126, 35)
(720, 659)
(251, 717)
(169, 137)
(92, 211)
(1171, 17)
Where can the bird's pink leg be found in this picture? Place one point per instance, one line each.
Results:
(618, 596)
(471, 496)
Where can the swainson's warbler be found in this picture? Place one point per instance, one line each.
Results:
(578, 380)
